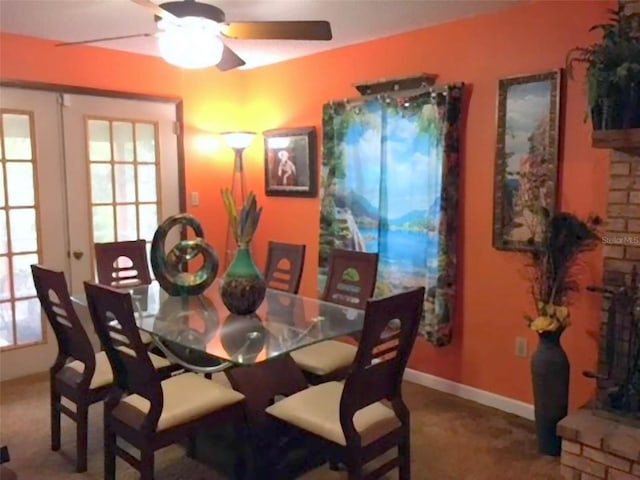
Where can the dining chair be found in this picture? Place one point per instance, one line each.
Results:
(351, 281)
(285, 262)
(122, 263)
(78, 373)
(351, 416)
(144, 410)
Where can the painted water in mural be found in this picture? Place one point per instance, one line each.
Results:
(382, 193)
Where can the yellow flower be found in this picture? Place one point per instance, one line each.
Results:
(562, 313)
(549, 309)
(544, 324)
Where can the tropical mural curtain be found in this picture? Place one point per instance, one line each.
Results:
(390, 175)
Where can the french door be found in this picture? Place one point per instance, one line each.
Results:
(76, 170)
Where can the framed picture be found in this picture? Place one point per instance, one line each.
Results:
(290, 162)
(526, 163)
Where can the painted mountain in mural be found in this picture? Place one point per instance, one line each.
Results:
(367, 215)
(414, 220)
(360, 207)
(418, 219)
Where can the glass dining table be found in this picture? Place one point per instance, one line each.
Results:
(199, 333)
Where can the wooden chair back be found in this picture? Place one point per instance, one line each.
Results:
(388, 334)
(72, 338)
(351, 279)
(285, 262)
(122, 263)
(112, 314)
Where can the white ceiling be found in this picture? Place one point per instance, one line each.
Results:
(352, 21)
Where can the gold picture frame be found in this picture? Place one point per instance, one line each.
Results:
(526, 160)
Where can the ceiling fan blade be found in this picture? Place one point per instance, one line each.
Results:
(293, 30)
(229, 60)
(156, 10)
(103, 39)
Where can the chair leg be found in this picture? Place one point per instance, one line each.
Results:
(109, 453)
(192, 445)
(146, 464)
(81, 437)
(354, 465)
(404, 452)
(335, 460)
(245, 467)
(55, 419)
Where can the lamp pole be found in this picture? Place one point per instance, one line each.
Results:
(238, 141)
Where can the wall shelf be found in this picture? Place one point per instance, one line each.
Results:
(627, 140)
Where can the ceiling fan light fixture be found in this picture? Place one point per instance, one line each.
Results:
(192, 42)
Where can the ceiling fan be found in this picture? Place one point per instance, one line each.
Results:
(190, 27)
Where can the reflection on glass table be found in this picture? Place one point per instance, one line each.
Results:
(196, 328)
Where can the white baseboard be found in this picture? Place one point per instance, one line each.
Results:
(483, 397)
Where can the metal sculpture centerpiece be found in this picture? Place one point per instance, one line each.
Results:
(243, 287)
(169, 268)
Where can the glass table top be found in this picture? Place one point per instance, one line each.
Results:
(196, 328)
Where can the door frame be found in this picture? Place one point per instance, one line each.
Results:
(121, 95)
(97, 92)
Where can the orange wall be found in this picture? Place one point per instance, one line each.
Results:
(492, 295)
(210, 102)
(528, 39)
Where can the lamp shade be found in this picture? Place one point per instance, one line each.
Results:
(238, 140)
(191, 43)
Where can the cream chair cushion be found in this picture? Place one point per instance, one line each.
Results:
(145, 337)
(221, 379)
(325, 357)
(317, 410)
(103, 375)
(186, 397)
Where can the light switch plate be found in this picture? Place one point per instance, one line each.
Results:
(195, 199)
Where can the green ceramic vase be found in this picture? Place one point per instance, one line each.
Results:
(243, 286)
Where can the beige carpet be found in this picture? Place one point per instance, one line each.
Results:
(452, 439)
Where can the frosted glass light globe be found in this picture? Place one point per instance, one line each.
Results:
(191, 43)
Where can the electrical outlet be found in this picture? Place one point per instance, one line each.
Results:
(521, 347)
(195, 199)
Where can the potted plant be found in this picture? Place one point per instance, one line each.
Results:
(552, 276)
(613, 70)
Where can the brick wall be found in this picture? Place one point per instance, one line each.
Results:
(598, 448)
(622, 232)
(594, 447)
(621, 253)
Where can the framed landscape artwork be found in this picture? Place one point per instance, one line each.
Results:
(526, 163)
(290, 162)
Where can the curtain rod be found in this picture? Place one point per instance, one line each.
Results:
(396, 94)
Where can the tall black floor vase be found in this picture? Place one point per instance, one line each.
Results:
(550, 375)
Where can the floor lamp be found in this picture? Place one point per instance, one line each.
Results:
(238, 141)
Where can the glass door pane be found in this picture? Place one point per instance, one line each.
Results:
(124, 171)
(20, 318)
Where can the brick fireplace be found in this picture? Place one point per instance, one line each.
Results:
(599, 442)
